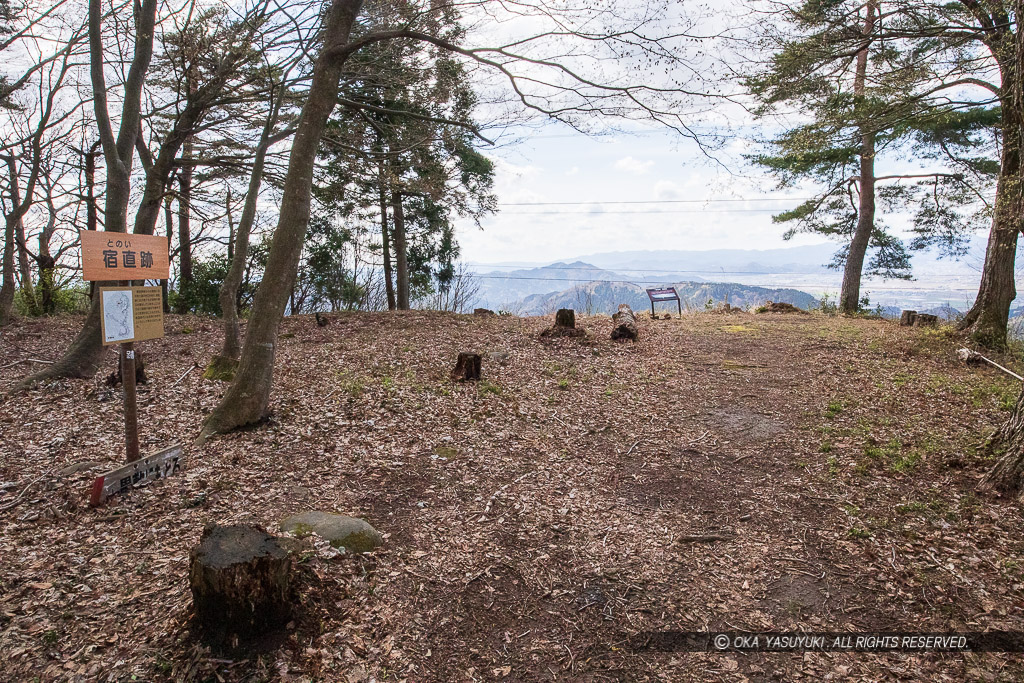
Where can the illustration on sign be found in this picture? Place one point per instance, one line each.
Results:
(118, 315)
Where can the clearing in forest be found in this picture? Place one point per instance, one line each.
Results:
(748, 472)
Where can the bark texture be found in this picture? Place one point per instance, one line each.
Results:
(467, 368)
(625, 325)
(240, 579)
(401, 253)
(1007, 476)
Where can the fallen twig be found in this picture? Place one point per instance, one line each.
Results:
(704, 538)
(26, 360)
(16, 501)
(635, 443)
(742, 458)
(187, 372)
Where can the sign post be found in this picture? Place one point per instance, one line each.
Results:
(127, 313)
(666, 294)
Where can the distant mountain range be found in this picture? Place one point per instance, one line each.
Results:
(797, 275)
(605, 297)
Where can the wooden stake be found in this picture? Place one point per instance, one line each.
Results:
(131, 408)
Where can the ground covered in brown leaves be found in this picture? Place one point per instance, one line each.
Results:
(534, 521)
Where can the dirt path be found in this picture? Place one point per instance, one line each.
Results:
(533, 521)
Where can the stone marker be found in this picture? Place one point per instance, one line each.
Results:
(240, 577)
(353, 534)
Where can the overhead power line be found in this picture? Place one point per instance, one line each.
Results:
(662, 201)
(640, 283)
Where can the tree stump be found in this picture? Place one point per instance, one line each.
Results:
(565, 325)
(907, 318)
(925, 320)
(565, 317)
(240, 577)
(467, 368)
(114, 379)
(625, 324)
(483, 312)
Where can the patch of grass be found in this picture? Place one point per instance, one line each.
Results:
(833, 466)
(446, 452)
(912, 506)
(833, 408)
(858, 532)
(907, 462)
(901, 378)
(350, 382)
(485, 387)
(826, 447)
(563, 384)
(735, 329)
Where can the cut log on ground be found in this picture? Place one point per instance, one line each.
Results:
(907, 318)
(467, 368)
(925, 320)
(565, 325)
(240, 578)
(483, 312)
(625, 324)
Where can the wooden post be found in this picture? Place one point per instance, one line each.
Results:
(131, 406)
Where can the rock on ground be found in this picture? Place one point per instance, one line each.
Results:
(355, 535)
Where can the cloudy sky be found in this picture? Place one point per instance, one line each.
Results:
(564, 194)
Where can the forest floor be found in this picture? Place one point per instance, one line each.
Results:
(534, 522)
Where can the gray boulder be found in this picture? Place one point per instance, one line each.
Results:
(355, 535)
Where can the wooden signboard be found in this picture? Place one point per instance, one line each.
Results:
(130, 314)
(152, 467)
(666, 294)
(110, 256)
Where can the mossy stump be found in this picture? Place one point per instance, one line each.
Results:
(221, 368)
(240, 577)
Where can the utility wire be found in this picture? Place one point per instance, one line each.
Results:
(640, 283)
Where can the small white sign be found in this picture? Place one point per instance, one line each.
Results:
(118, 315)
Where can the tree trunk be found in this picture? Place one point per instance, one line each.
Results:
(1007, 476)
(625, 325)
(246, 400)
(401, 252)
(185, 227)
(987, 320)
(8, 286)
(229, 289)
(169, 228)
(28, 290)
(389, 282)
(849, 295)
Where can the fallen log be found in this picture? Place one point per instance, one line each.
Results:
(625, 324)
(467, 368)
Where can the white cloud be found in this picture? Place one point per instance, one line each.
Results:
(634, 166)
